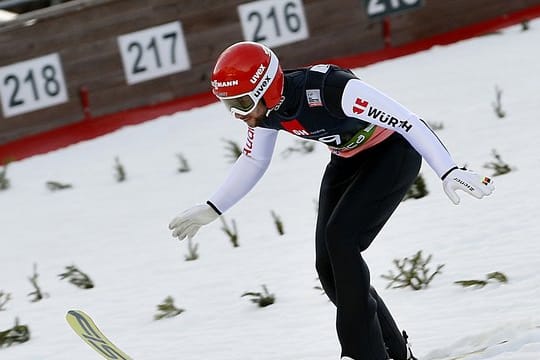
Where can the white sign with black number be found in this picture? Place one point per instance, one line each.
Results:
(31, 85)
(154, 52)
(273, 22)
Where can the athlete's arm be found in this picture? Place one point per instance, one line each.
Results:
(247, 170)
(364, 102)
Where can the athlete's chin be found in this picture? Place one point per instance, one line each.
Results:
(252, 123)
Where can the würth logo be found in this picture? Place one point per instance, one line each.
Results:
(388, 119)
(360, 106)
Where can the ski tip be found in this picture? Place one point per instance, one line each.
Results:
(74, 313)
(87, 330)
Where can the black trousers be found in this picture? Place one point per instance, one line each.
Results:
(357, 196)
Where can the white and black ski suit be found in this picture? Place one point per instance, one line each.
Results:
(377, 146)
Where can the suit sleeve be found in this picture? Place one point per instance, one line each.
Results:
(364, 102)
(247, 170)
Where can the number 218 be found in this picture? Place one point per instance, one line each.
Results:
(51, 86)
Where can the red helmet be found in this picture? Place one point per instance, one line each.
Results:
(245, 73)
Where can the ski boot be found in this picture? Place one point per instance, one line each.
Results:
(410, 355)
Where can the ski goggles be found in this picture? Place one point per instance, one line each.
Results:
(240, 104)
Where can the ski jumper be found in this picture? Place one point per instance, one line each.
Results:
(376, 149)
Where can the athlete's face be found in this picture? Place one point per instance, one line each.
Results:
(254, 118)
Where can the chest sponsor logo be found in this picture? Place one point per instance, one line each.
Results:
(295, 127)
(314, 97)
(360, 106)
(334, 140)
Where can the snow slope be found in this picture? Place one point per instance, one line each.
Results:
(117, 232)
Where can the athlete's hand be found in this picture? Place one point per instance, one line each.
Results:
(191, 220)
(467, 181)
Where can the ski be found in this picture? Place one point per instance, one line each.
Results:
(85, 327)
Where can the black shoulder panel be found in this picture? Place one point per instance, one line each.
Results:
(333, 89)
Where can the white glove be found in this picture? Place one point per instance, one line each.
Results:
(467, 181)
(191, 220)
